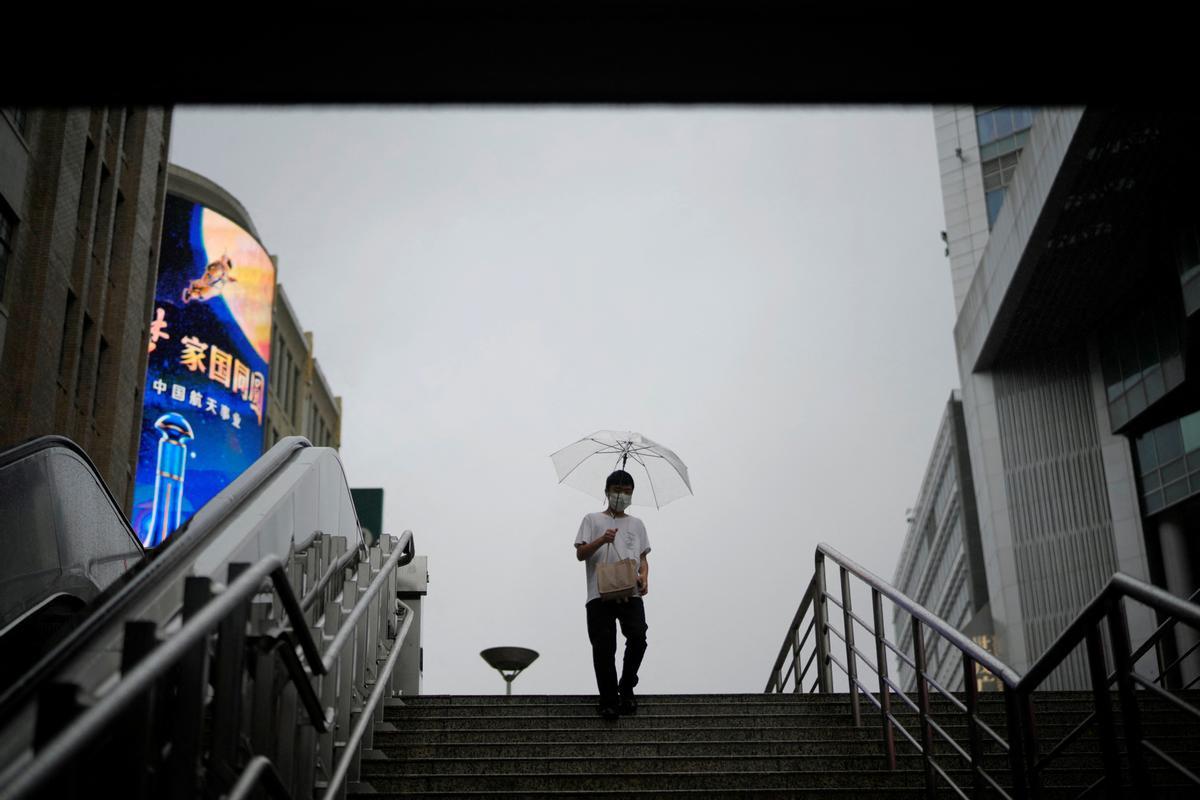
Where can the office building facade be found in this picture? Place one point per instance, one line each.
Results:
(1072, 239)
(941, 561)
(302, 404)
(81, 199)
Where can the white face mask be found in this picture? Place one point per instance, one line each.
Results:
(619, 502)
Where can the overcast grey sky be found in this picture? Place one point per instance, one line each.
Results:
(763, 291)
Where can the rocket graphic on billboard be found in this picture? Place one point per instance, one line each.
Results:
(167, 511)
(208, 368)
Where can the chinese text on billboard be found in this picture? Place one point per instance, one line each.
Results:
(206, 379)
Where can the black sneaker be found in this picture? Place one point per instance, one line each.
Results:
(609, 712)
(628, 706)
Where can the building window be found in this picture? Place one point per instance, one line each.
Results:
(19, 118)
(126, 135)
(997, 175)
(998, 124)
(84, 343)
(1003, 132)
(1168, 462)
(8, 231)
(1187, 261)
(68, 324)
(1141, 361)
(101, 371)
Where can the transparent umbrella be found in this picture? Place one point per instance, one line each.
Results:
(660, 475)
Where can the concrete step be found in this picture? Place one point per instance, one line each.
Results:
(997, 698)
(620, 765)
(664, 706)
(1154, 725)
(866, 781)
(885, 793)
(628, 748)
(594, 781)
(611, 732)
(552, 699)
(752, 745)
(614, 762)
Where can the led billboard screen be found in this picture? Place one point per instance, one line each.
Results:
(206, 379)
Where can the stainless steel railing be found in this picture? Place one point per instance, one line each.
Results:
(242, 708)
(1019, 741)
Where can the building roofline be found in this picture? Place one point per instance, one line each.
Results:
(944, 431)
(194, 186)
(320, 376)
(281, 298)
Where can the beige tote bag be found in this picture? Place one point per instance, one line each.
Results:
(617, 580)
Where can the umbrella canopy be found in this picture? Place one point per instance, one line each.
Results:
(660, 475)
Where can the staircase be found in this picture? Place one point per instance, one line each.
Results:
(784, 745)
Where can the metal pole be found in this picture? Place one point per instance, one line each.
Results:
(1104, 715)
(188, 716)
(1016, 762)
(885, 691)
(1118, 631)
(971, 688)
(824, 672)
(923, 708)
(851, 656)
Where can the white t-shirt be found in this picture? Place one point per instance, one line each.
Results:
(631, 542)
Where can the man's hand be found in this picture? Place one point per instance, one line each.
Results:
(643, 586)
(586, 551)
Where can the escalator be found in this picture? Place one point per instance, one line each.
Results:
(64, 542)
(83, 606)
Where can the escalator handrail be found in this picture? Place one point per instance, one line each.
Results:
(51, 442)
(174, 551)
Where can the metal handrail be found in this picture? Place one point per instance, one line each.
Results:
(404, 549)
(23, 778)
(1155, 638)
(344, 562)
(368, 712)
(59, 752)
(259, 772)
(1022, 742)
(944, 629)
(111, 604)
(805, 602)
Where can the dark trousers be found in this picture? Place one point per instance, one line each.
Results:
(602, 619)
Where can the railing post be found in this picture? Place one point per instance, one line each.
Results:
(329, 688)
(923, 708)
(1104, 716)
(821, 615)
(57, 704)
(851, 656)
(1118, 631)
(971, 688)
(795, 662)
(286, 722)
(227, 685)
(264, 730)
(1029, 739)
(135, 732)
(885, 691)
(1016, 737)
(188, 714)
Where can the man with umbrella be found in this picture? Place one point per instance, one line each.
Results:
(607, 536)
(610, 537)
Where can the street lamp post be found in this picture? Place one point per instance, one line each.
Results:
(509, 662)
